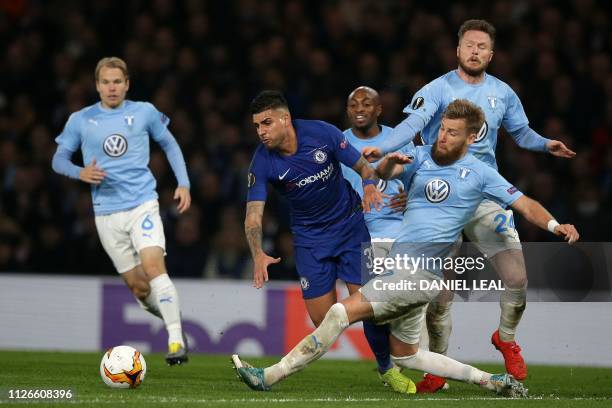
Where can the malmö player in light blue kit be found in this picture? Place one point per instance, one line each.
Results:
(492, 228)
(113, 136)
(363, 108)
(446, 186)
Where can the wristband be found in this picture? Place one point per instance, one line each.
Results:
(369, 181)
(552, 224)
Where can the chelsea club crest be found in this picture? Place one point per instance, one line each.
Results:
(319, 156)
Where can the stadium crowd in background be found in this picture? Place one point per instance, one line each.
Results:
(202, 62)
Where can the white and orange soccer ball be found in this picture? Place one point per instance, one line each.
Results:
(123, 367)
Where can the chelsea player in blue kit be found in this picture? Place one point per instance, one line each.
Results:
(447, 185)
(492, 228)
(301, 159)
(113, 136)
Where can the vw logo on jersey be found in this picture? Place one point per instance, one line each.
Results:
(319, 156)
(437, 190)
(115, 145)
(482, 133)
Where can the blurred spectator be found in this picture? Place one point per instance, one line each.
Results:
(230, 252)
(186, 251)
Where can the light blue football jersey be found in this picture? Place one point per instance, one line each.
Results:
(442, 199)
(501, 105)
(384, 223)
(119, 141)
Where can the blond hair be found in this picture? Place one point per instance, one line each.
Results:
(473, 116)
(112, 62)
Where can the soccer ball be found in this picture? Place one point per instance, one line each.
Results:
(123, 367)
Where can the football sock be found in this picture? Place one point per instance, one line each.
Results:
(311, 347)
(512, 303)
(167, 299)
(378, 339)
(150, 305)
(442, 366)
(439, 326)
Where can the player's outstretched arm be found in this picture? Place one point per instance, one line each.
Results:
(529, 139)
(372, 197)
(536, 214)
(253, 231)
(401, 136)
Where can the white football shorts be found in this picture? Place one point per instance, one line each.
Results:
(123, 234)
(395, 302)
(492, 229)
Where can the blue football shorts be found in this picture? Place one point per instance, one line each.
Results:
(339, 257)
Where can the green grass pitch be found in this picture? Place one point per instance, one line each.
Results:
(210, 381)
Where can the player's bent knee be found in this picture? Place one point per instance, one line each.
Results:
(140, 290)
(153, 261)
(138, 286)
(154, 270)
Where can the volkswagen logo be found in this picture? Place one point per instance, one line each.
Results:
(437, 190)
(115, 145)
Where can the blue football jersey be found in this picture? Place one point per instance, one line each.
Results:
(442, 199)
(321, 201)
(384, 223)
(118, 139)
(501, 106)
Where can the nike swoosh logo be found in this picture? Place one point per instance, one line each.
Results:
(283, 175)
